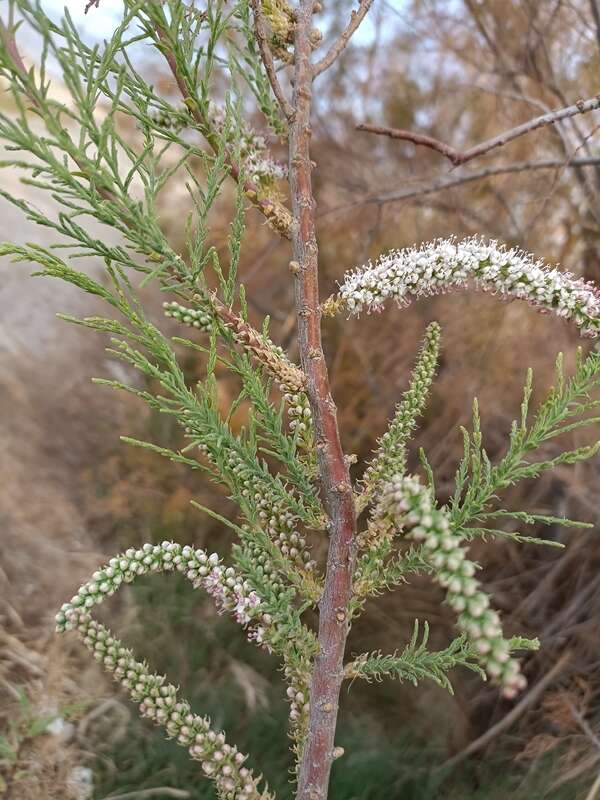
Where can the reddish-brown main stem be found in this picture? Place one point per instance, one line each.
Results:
(337, 495)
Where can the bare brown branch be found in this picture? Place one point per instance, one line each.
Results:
(336, 489)
(595, 6)
(532, 696)
(447, 182)
(356, 17)
(458, 157)
(267, 58)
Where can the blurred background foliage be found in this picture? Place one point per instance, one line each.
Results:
(460, 70)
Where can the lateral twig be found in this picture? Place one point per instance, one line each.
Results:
(356, 17)
(513, 715)
(141, 794)
(458, 157)
(585, 726)
(275, 212)
(595, 7)
(267, 58)
(595, 790)
(452, 182)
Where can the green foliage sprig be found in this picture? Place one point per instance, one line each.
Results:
(415, 663)
(565, 409)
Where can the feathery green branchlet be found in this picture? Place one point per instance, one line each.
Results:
(290, 378)
(569, 405)
(415, 663)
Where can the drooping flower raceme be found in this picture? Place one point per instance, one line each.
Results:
(228, 589)
(411, 504)
(446, 265)
(230, 592)
(159, 701)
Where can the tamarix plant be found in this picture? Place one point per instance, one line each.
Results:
(285, 469)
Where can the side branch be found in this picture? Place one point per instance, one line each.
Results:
(458, 157)
(338, 47)
(267, 59)
(447, 182)
(274, 212)
(8, 40)
(287, 373)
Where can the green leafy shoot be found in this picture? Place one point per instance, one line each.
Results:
(565, 409)
(415, 662)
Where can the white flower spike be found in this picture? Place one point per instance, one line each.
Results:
(446, 265)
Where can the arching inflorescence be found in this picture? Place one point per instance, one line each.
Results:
(411, 505)
(159, 700)
(230, 592)
(446, 265)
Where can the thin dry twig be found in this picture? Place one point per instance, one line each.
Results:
(582, 768)
(585, 726)
(267, 58)
(458, 157)
(595, 6)
(356, 17)
(142, 794)
(452, 182)
(595, 790)
(528, 700)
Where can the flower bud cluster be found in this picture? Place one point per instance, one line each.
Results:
(282, 20)
(289, 376)
(159, 701)
(300, 417)
(444, 265)
(408, 502)
(253, 148)
(263, 568)
(299, 411)
(194, 317)
(275, 519)
(229, 591)
(390, 458)
(297, 693)
(172, 119)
